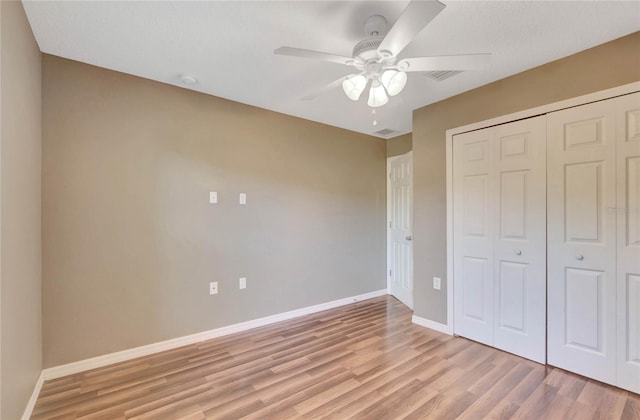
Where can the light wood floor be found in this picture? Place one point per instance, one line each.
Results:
(364, 360)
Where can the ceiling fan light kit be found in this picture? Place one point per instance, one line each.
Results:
(376, 58)
(394, 81)
(377, 95)
(390, 83)
(354, 85)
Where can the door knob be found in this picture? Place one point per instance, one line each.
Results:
(408, 238)
(580, 257)
(518, 252)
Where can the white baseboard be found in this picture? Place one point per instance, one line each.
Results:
(446, 329)
(34, 397)
(121, 356)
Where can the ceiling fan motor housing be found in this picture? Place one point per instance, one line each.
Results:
(375, 27)
(368, 49)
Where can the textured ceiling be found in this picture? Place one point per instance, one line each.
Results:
(228, 46)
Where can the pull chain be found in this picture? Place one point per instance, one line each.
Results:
(373, 112)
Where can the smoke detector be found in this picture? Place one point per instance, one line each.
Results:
(188, 80)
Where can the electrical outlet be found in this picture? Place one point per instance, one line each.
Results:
(213, 197)
(436, 283)
(213, 288)
(243, 282)
(242, 198)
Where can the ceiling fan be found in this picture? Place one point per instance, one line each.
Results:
(376, 58)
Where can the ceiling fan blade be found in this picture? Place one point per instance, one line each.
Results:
(321, 91)
(447, 62)
(316, 55)
(413, 19)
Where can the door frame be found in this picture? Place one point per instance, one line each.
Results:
(390, 159)
(528, 113)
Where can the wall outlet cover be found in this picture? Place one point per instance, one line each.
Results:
(213, 288)
(437, 283)
(213, 197)
(243, 282)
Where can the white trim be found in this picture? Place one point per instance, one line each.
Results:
(388, 218)
(423, 322)
(121, 356)
(1, 217)
(26, 415)
(552, 107)
(528, 113)
(449, 276)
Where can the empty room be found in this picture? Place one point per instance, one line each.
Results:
(319, 209)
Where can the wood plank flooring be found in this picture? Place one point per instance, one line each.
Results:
(362, 361)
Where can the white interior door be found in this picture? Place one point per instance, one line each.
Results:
(473, 217)
(628, 221)
(499, 186)
(582, 240)
(520, 238)
(400, 247)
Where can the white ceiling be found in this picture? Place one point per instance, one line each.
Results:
(228, 46)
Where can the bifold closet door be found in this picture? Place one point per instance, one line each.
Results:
(499, 236)
(474, 211)
(628, 250)
(582, 240)
(520, 238)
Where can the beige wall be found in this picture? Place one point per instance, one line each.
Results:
(608, 65)
(399, 145)
(20, 146)
(130, 241)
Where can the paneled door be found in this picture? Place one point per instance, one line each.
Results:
(628, 258)
(520, 238)
(582, 240)
(473, 227)
(400, 248)
(500, 236)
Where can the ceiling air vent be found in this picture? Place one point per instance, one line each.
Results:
(384, 132)
(442, 75)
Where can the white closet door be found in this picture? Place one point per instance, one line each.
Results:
(628, 214)
(582, 240)
(473, 235)
(520, 238)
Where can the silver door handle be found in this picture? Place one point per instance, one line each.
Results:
(518, 252)
(580, 257)
(409, 238)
